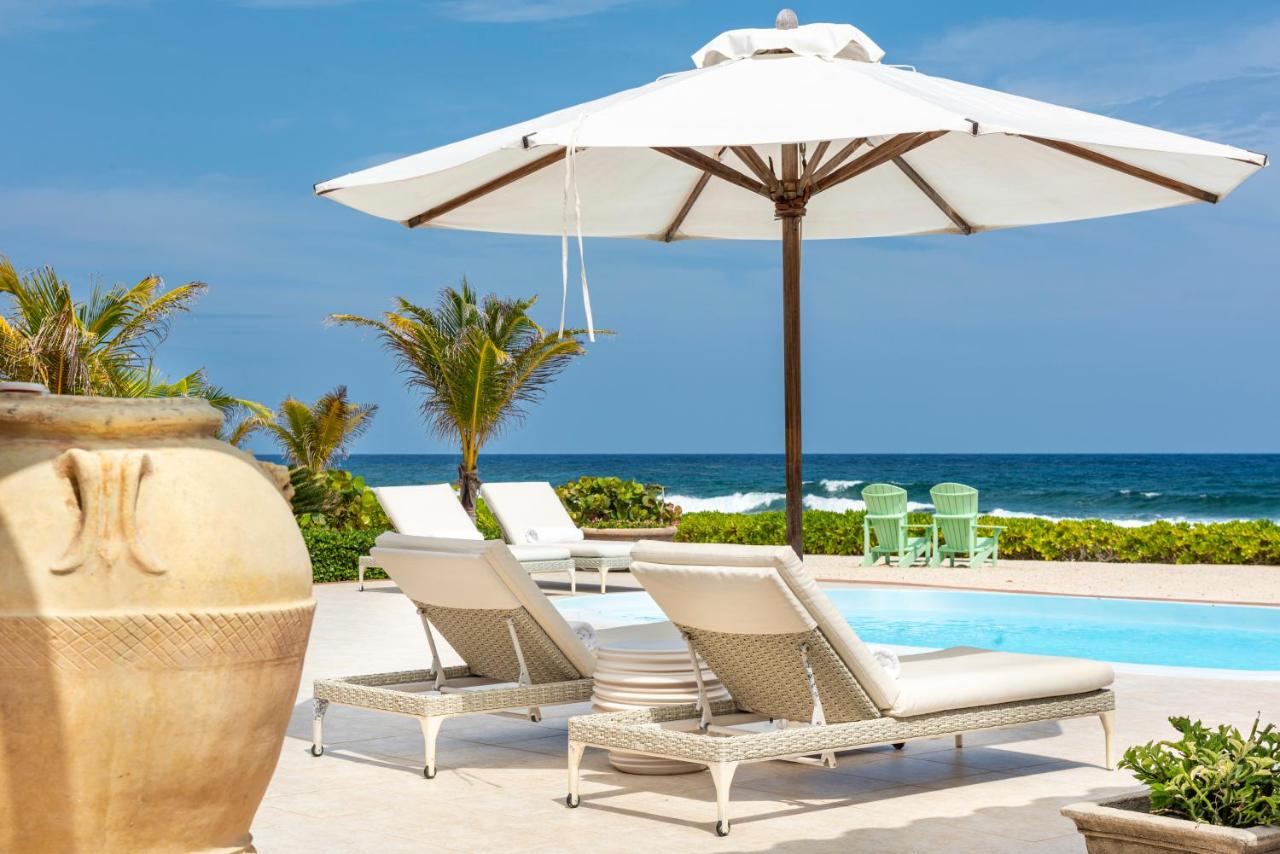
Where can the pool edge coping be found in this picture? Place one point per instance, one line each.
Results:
(869, 583)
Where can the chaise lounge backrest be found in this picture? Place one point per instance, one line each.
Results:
(755, 615)
(474, 593)
(522, 507)
(427, 511)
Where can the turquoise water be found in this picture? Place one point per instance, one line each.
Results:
(1120, 630)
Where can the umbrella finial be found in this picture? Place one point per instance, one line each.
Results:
(787, 20)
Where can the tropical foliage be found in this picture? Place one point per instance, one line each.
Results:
(313, 436)
(478, 364)
(1214, 776)
(103, 346)
(1245, 542)
(611, 502)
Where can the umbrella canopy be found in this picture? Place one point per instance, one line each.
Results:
(773, 127)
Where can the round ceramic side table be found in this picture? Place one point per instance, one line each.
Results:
(641, 674)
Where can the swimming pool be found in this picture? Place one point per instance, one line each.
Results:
(1172, 634)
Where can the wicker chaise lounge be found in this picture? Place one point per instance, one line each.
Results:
(520, 653)
(531, 514)
(433, 511)
(804, 685)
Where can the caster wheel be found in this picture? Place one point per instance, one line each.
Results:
(317, 750)
(537, 719)
(900, 745)
(722, 828)
(429, 773)
(572, 801)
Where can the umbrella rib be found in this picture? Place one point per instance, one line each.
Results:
(840, 156)
(1128, 169)
(689, 200)
(895, 147)
(756, 164)
(698, 160)
(811, 163)
(934, 196)
(486, 188)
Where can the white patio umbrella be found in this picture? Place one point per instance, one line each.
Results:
(775, 130)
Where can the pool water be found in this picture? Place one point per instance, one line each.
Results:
(1176, 634)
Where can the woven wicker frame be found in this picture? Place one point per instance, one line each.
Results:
(481, 637)
(641, 731)
(672, 732)
(395, 693)
(765, 674)
(387, 692)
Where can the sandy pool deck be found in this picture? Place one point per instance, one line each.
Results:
(1254, 585)
(501, 782)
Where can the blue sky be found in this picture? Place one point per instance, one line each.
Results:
(183, 138)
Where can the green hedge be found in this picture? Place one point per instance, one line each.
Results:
(334, 553)
(1251, 542)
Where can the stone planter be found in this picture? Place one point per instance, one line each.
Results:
(666, 534)
(1122, 825)
(155, 605)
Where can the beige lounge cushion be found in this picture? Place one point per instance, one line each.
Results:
(599, 548)
(713, 588)
(535, 553)
(480, 575)
(427, 511)
(960, 677)
(520, 507)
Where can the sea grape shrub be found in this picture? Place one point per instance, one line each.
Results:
(336, 499)
(611, 502)
(1213, 776)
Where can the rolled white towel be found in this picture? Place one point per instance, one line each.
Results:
(587, 634)
(554, 535)
(888, 659)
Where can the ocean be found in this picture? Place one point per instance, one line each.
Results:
(1129, 489)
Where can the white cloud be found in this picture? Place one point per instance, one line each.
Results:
(1098, 65)
(524, 11)
(19, 16)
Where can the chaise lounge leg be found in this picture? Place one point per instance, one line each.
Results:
(722, 777)
(959, 740)
(573, 580)
(318, 708)
(1108, 732)
(576, 749)
(430, 730)
(604, 573)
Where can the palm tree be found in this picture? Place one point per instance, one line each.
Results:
(316, 436)
(477, 365)
(100, 347)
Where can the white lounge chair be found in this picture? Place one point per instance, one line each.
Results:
(434, 511)
(531, 514)
(785, 654)
(520, 653)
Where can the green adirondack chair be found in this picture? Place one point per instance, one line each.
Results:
(887, 516)
(956, 516)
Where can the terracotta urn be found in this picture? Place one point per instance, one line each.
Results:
(155, 604)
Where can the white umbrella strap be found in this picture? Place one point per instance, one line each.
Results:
(702, 704)
(571, 187)
(515, 642)
(436, 666)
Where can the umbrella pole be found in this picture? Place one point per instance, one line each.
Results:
(790, 206)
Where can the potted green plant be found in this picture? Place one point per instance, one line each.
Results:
(1210, 791)
(610, 508)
